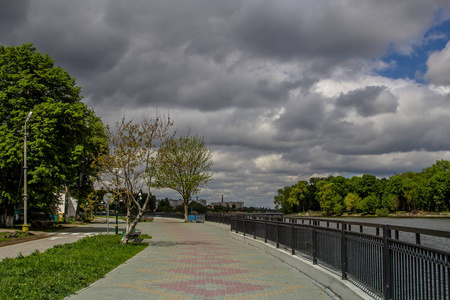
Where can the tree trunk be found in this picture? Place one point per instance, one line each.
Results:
(131, 225)
(6, 216)
(186, 208)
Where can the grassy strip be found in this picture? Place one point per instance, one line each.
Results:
(7, 236)
(64, 269)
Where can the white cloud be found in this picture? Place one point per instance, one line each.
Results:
(439, 67)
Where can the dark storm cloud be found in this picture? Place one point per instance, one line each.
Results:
(13, 14)
(369, 101)
(334, 31)
(305, 114)
(282, 90)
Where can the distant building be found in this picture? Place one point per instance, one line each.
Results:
(230, 204)
(175, 203)
(67, 205)
(201, 201)
(237, 204)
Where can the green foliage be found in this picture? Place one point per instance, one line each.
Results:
(63, 134)
(351, 200)
(222, 209)
(64, 269)
(281, 200)
(164, 206)
(330, 199)
(428, 190)
(9, 236)
(184, 166)
(299, 195)
(197, 207)
(382, 212)
(368, 205)
(179, 208)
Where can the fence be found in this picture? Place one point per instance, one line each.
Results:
(387, 262)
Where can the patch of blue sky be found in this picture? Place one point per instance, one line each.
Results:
(413, 65)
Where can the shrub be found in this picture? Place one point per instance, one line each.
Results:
(382, 212)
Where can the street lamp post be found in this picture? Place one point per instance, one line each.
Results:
(117, 215)
(25, 226)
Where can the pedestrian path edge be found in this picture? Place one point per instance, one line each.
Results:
(342, 288)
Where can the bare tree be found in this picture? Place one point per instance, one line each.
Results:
(129, 165)
(184, 167)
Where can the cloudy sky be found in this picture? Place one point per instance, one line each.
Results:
(282, 90)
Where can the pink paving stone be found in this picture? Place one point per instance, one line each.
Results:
(194, 287)
(199, 271)
(201, 261)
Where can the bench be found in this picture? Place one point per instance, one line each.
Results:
(135, 237)
(145, 219)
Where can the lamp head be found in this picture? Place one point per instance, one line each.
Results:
(29, 115)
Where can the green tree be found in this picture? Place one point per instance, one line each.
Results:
(393, 196)
(438, 186)
(130, 164)
(330, 199)
(369, 185)
(340, 185)
(414, 191)
(298, 197)
(351, 200)
(184, 167)
(281, 200)
(199, 208)
(368, 205)
(164, 206)
(64, 135)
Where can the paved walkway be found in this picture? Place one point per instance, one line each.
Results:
(200, 261)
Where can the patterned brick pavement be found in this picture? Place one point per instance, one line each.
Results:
(200, 261)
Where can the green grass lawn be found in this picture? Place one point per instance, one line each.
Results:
(64, 269)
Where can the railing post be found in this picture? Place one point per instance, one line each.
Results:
(343, 253)
(387, 264)
(277, 237)
(314, 244)
(265, 230)
(243, 226)
(292, 238)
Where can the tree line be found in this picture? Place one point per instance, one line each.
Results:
(428, 190)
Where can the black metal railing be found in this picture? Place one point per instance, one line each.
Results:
(218, 218)
(385, 261)
(170, 215)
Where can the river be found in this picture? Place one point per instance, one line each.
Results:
(437, 223)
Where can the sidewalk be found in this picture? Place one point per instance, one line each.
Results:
(200, 261)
